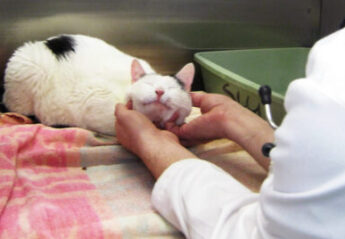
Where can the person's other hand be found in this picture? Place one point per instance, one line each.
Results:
(157, 148)
(223, 117)
(219, 112)
(133, 129)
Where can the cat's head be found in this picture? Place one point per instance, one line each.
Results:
(159, 97)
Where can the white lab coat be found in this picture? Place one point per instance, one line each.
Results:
(304, 194)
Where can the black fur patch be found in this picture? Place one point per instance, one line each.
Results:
(61, 45)
(179, 82)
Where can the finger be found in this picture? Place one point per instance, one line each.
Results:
(169, 125)
(172, 127)
(118, 109)
(121, 112)
(130, 104)
(172, 121)
(192, 129)
(206, 101)
(197, 98)
(174, 117)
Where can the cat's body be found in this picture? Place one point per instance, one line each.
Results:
(77, 80)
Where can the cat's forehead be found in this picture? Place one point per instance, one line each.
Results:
(159, 80)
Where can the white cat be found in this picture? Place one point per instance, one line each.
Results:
(77, 80)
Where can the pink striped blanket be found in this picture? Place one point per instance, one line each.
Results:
(46, 192)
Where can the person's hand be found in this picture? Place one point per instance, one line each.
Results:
(133, 129)
(223, 117)
(219, 114)
(157, 148)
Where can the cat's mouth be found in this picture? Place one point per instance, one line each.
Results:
(157, 103)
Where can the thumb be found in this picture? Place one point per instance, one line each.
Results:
(196, 129)
(187, 131)
(119, 109)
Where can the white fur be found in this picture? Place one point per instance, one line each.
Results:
(83, 88)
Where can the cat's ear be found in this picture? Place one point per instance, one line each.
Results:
(186, 75)
(137, 70)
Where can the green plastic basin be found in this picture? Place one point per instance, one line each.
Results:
(240, 73)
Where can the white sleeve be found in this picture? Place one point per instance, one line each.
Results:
(307, 181)
(303, 198)
(203, 201)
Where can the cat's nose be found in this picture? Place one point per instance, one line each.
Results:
(159, 92)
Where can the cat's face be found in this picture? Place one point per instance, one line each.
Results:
(159, 97)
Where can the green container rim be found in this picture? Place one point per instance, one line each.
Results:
(238, 80)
